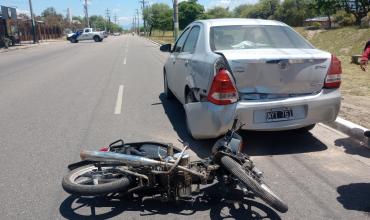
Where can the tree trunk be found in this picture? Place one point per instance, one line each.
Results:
(150, 31)
(329, 20)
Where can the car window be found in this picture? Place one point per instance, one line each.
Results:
(191, 41)
(180, 42)
(87, 30)
(235, 37)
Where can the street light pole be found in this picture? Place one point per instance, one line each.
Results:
(175, 19)
(33, 23)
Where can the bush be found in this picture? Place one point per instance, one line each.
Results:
(344, 19)
(316, 25)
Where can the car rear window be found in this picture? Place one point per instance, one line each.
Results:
(235, 37)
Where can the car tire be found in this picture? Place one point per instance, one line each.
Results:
(97, 39)
(74, 40)
(167, 92)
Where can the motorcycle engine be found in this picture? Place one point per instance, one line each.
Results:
(183, 179)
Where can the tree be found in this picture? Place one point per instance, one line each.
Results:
(189, 11)
(359, 8)
(294, 12)
(158, 16)
(218, 12)
(326, 7)
(264, 9)
(51, 17)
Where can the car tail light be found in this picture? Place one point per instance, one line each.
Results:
(223, 91)
(333, 77)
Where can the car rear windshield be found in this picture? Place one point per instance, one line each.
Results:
(237, 37)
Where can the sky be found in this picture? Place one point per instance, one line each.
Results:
(123, 9)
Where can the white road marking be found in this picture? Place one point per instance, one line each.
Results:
(118, 108)
(124, 61)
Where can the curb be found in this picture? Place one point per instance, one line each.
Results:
(353, 130)
(154, 42)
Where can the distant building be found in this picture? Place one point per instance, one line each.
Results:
(8, 23)
(323, 21)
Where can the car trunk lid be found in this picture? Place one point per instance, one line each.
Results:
(277, 73)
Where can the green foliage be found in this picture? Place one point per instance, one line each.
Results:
(344, 19)
(294, 12)
(51, 17)
(189, 11)
(264, 9)
(158, 16)
(316, 25)
(217, 12)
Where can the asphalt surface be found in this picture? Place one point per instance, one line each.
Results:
(59, 98)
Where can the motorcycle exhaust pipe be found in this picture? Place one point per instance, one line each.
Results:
(131, 160)
(116, 157)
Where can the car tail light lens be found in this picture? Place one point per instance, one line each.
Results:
(333, 77)
(223, 91)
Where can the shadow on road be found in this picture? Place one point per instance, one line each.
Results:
(351, 147)
(176, 114)
(235, 206)
(355, 196)
(256, 143)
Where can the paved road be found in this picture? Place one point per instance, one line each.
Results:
(60, 98)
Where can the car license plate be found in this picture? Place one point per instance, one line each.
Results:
(279, 115)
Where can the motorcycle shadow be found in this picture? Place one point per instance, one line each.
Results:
(234, 206)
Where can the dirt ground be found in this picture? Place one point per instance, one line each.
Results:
(356, 109)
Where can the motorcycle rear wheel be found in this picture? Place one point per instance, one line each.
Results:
(260, 189)
(88, 181)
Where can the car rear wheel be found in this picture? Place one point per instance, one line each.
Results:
(167, 92)
(189, 98)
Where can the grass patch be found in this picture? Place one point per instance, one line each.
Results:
(161, 37)
(344, 42)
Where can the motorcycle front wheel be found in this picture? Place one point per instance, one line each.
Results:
(91, 181)
(260, 189)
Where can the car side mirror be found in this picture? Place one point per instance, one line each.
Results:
(165, 48)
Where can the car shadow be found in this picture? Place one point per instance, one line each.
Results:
(234, 206)
(259, 143)
(176, 114)
(352, 147)
(355, 196)
(255, 143)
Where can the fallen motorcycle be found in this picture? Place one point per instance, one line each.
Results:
(158, 169)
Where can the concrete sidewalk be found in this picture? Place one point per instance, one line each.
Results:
(29, 44)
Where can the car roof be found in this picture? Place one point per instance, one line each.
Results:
(239, 21)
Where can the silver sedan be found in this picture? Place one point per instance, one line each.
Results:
(260, 71)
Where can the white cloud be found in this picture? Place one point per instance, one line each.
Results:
(21, 11)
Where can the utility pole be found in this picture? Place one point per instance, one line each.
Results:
(33, 24)
(86, 14)
(115, 18)
(175, 19)
(143, 7)
(108, 17)
(138, 22)
(134, 24)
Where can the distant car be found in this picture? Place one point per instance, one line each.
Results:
(87, 34)
(116, 34)
(259, 71)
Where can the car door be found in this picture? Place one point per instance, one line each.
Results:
(183, 66)
(171, 64)
(85, 35)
